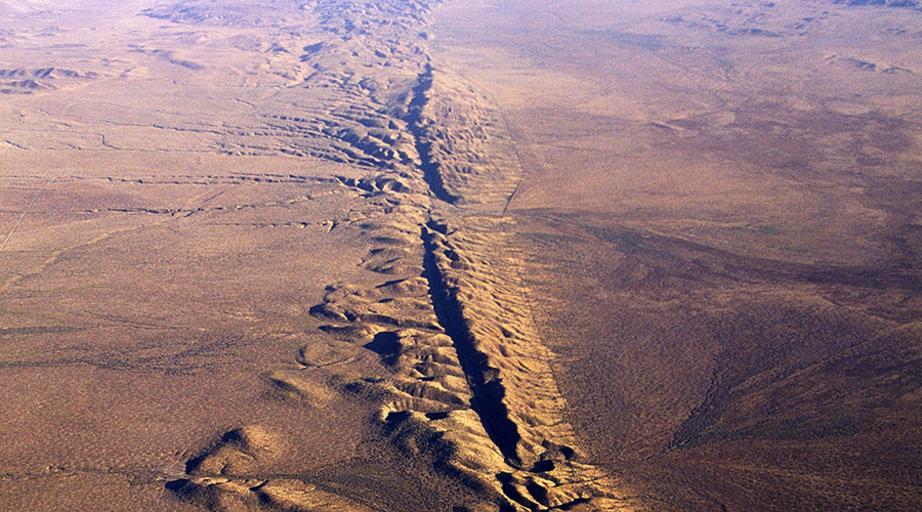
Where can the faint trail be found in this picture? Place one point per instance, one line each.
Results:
(26, 210)
(518, 158)
(30, 204)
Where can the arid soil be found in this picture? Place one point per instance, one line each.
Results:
(720, 212)
(410, 255)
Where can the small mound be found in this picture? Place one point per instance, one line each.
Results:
(301, 388)
(226, 495)
(238, 452)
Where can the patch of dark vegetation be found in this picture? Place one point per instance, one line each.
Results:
(25, 331)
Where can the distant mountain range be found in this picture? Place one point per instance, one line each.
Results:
(911, 4)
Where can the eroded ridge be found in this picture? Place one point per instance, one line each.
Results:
(359, 66)
(477, 286)
(469, 383)
(231, 475)
(466, 152)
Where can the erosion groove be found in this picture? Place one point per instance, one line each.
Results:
(486, 314)
(487, 392)
(416, 123)
(467, 381)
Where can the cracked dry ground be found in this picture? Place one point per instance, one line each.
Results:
(282, 281)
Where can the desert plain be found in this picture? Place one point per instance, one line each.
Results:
(460, 255)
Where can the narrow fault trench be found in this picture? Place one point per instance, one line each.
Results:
(487, 391)
(549, 479)
(417, 126)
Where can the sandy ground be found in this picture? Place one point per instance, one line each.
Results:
(408, 255)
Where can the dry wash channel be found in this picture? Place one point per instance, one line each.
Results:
(470, 385)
